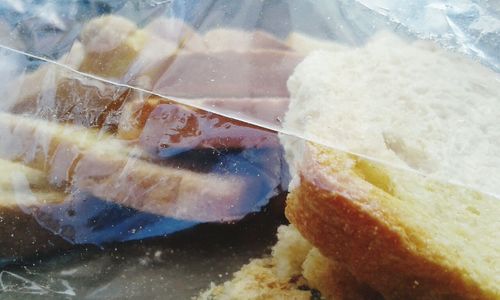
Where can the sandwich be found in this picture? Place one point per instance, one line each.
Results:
(149, 58)
(395, 225)
(88, 137)
(248, 82)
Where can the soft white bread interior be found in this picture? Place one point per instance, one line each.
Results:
(413, 106)
(409, 104)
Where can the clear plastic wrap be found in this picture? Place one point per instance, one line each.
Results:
(213, 61)
(128, 120)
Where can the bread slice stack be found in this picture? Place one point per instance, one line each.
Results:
(74, 157)
(397, 224)
(87, 136)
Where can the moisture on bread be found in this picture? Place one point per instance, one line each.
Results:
(270, 110)
(32, 85)
(414, 107)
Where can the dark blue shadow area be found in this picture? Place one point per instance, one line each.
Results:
(87, 220)
(263, 173)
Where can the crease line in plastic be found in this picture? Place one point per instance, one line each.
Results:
(249, 121)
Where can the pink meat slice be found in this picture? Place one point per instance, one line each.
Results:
(228, 74)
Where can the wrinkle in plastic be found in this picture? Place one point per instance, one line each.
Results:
(171, 116)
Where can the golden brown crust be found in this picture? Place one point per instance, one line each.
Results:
(352, 227)
(333, 279)
(295, 269)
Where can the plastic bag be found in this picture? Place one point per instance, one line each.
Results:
(185, 98)
(209, 64)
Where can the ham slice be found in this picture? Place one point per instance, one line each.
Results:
(228, 74)
(227, 39)
(178, 32)
(160, 125)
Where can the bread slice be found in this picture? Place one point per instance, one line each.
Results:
(116, 49)
(295, 270)
(413, 106)
(407, 104)
(406, 236)
(111, 44)
(23, 189)
(35, 84)
(258, 280)
(79, 158)
(274, 277)
(295, 257)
